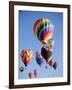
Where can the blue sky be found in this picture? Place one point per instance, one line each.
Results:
(28, 40)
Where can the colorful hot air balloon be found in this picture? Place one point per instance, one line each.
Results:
(43, 30)
(39, 59)
(26, 56)
(36, 73)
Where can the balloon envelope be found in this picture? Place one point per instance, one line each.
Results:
(21, 69)
(30, 75)
(26, 56)
(55, 65)
(43, 30)
(36, 73)
(39, 60)
(46, 54)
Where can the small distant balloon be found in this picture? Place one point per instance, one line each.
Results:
(52, 64)
(39, 59)
(55, 65)
(21, 69)
(30, 74)
(50, 43)
(26, 56)
(36, 73)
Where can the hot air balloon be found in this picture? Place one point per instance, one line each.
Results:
(55, 65)
(47, 55)
(36, 73)
(30, 74)
(39, 59)
(43, 30)
(50, 43)
(26, 56)
(21, 69)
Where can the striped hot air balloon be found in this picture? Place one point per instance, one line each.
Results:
(43, 30)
